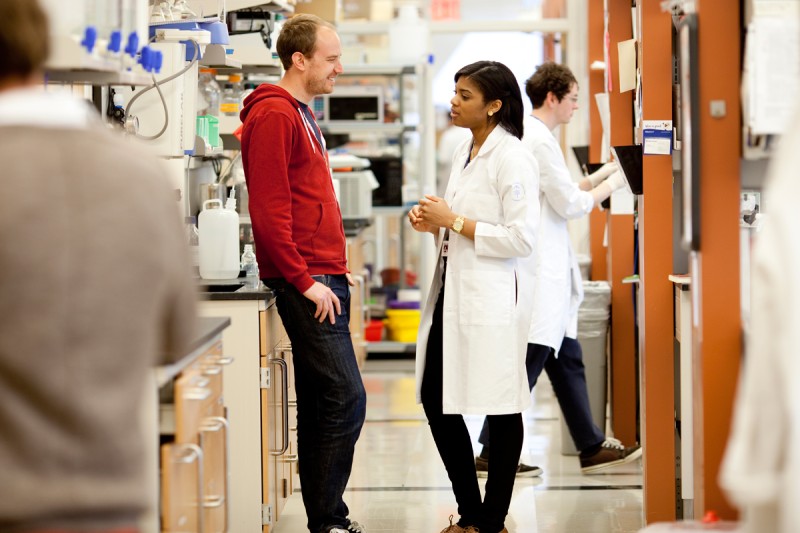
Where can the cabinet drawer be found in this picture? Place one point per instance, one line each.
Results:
(180, 488)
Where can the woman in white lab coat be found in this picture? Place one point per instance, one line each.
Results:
(474, 329)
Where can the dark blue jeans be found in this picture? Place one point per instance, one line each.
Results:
(568, 377)
(331, 401)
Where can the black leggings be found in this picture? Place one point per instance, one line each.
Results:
(455, 446)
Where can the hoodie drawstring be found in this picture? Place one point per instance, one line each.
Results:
(308, 130)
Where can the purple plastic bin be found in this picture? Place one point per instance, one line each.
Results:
(397, 304)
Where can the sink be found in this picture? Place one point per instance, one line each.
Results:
(221, 287)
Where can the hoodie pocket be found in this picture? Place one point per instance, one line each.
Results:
(327, 241)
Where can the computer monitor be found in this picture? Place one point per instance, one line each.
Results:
(629, 160)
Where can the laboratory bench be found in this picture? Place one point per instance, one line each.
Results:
(259, 400)
(185, 426)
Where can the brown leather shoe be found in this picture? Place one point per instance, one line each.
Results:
(455, 528)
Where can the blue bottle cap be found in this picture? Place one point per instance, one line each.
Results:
(146, 59)
(115, 42)
(133, 44)
(89, 38)
(158, 60)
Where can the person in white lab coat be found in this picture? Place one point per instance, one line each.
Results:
(474, 327)
(553, 91)
(761, 467)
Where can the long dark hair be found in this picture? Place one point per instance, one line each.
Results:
(497, 82)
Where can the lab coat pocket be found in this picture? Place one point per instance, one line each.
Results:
(486, 298)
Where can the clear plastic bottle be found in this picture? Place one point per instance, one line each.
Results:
(232, 96)
(250, 266)
(209, 93)
(236, 81)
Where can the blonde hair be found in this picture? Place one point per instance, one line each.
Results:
(299, 34)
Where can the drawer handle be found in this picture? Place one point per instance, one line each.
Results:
(220, 360)
(197, 393)
(212, 502)
(285, 433)
(212, 370)
(214, 424)
(192, 453)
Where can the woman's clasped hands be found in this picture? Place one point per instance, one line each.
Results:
(430, 214)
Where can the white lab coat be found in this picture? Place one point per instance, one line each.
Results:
(761, 467)
(486, 308)
(559, 288)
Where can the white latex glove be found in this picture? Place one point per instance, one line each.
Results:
(597, 177)
(615, 181)
(606, 187)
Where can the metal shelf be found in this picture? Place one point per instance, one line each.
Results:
(393, 128)
(212, 6)
(274, 69)
(391, 347)
(71, 63)
(278, 6)
(85, 76)
(377, 70)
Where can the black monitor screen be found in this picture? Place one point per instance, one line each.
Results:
(354, 108)
(629, 159)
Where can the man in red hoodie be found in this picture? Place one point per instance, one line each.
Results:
(300, 247)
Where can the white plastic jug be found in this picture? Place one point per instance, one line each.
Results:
(409, 37)
(218, 241)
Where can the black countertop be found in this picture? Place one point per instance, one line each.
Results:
(232, 289)
(207, 329)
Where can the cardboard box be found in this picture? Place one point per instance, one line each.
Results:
(330, 10)
(356, 9)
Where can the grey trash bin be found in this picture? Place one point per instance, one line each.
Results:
(593, 315)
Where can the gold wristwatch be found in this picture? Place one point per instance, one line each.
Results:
(458, 224)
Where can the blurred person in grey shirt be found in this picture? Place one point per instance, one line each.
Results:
(94, 291)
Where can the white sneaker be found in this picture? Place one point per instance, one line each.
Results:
(354, 527)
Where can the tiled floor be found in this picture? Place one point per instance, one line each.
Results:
(399, 484)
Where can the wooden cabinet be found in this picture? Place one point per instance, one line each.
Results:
(278, 402)
(260, 400)
(193, 426)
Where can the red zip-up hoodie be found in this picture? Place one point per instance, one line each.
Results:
(297, 223)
